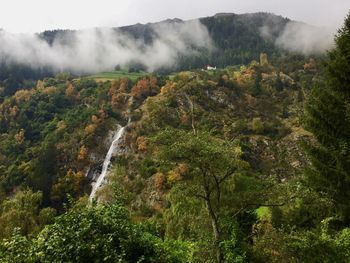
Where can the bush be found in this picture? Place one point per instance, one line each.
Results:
(94, 234)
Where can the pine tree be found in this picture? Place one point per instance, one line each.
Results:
(256, 88)
(279, 83)
(328, 118)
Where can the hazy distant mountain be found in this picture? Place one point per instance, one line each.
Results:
(237, 38)
(173, 44)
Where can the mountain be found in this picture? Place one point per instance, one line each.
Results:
(237, 38)
(221, 40)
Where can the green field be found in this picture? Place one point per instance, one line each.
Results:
(104, 76)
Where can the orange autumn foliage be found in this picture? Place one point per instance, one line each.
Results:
(124, 83)
(83, 152)
(182, 169)
(184, 118)
(114, 88)
(141, 143)
(94, 119)
(144, 87)
(90, 129)
(118, 100)
(72, 183)
(159, 180)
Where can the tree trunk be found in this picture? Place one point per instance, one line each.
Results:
(216, 231)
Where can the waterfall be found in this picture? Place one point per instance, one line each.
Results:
(115, 147)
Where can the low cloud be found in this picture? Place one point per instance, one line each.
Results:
(300, 37)
(101, 49)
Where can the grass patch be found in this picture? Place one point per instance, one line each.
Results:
(104, 76)
(263, 212)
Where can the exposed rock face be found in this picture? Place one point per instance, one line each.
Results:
(283, 158)
(98, 158)
(287, 80)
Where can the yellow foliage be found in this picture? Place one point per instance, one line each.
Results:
(83, 152)
(257, 125)
(184, 76)
(22, 95)
(167, 88)
(211, 83)
(61, 126)
(243, 68)
(94, 119)
(71, 92)
(19, 137)
(50, 90)
(90, 129)
(225, 78)
(173, 176)
(40, 84)
(263, 59)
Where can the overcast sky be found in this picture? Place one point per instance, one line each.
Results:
(38, 15)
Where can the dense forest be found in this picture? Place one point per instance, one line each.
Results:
(245, 163)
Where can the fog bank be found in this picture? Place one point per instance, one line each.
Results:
(101, 49)
(303, 38)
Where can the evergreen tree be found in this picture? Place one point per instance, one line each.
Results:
(278, 83)
(256, 88)
(328, 118)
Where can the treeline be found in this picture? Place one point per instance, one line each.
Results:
(15, 76)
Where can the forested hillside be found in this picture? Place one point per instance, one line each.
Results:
(239, 127)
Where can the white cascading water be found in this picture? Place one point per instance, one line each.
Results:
(112, 149)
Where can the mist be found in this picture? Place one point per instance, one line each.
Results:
(101, 49)
(302, 38)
